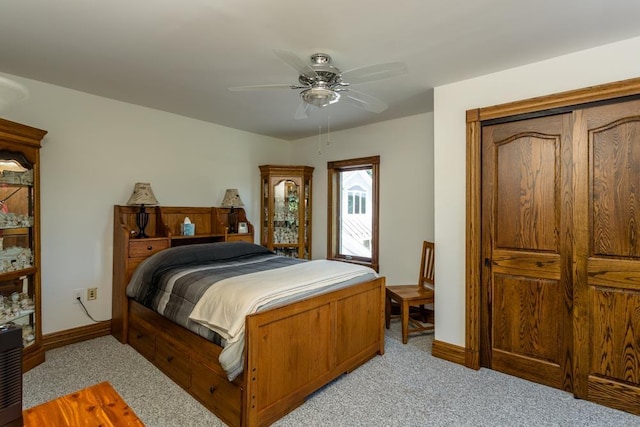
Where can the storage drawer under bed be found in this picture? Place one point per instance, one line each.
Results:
(216, 392)
(173, 361)
(143, 341)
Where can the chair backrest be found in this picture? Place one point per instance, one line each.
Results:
(426, 265)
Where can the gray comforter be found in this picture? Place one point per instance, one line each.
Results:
(172, 281)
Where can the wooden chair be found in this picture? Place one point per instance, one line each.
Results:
(407, 296)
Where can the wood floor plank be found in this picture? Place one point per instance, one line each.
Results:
(98, 405)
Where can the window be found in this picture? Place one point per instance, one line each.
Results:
(352, 234)
(357, 199)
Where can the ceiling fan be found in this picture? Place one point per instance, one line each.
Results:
(323, 84)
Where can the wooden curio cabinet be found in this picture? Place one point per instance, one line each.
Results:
(20, 296)
(285, 214)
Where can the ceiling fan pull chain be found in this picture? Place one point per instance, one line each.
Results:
(319, 140)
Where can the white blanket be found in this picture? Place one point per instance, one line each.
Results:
(225, 305)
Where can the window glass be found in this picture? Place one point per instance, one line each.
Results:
(353, 210)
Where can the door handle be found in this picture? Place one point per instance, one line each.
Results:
(487, 262)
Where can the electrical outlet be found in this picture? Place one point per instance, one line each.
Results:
(92, 294)
(77, 293)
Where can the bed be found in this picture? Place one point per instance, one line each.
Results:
(290, 348)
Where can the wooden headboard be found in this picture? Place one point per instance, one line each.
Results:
(164, 231)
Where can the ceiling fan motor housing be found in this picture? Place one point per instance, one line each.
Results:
(323, 83)
(324, 72)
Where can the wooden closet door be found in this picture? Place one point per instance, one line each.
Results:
(607, 280)
(527, 207)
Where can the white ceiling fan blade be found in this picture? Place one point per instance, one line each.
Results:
(294, 61)
(373, 73)
(364, 101)
(303, 111)
(262, 87)
(11, 92)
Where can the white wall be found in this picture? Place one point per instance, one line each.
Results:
(97, 148)
(405, 147)
(604, 64)
(95, 151)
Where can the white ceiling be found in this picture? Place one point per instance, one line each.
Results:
(181, 56)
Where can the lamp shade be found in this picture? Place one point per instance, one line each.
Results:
(142, 195)
(231, 199)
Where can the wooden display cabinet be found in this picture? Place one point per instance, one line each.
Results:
(285, 213)
(20, 236)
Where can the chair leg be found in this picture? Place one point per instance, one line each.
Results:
(405, 322)
(387, 312)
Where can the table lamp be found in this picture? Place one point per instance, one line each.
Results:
(232, 200)
(142, 195)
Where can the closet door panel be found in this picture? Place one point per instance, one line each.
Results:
(529, 327)
(611, 307)
(616, 188)
(526, 170)
(615, 327)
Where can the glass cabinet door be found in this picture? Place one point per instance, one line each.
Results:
(286, 209)
(17, 271)
(286, 221)
(264, 214)
(307, 218)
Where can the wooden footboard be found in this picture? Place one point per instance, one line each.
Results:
(295, 350)
(290, 352)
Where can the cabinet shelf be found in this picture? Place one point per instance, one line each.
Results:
(17, 179)
(20, 315)
(180, 240)
(212, 236)
(7, 184)
(8, 276)
(17, 229)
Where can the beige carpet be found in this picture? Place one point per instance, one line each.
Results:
(405, 387)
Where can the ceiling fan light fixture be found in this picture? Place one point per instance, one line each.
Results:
(319, 96)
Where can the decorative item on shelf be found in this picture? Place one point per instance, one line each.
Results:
(188, 228)
(15, 258)
(142, 195)
(11, 220)
(232, 200)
